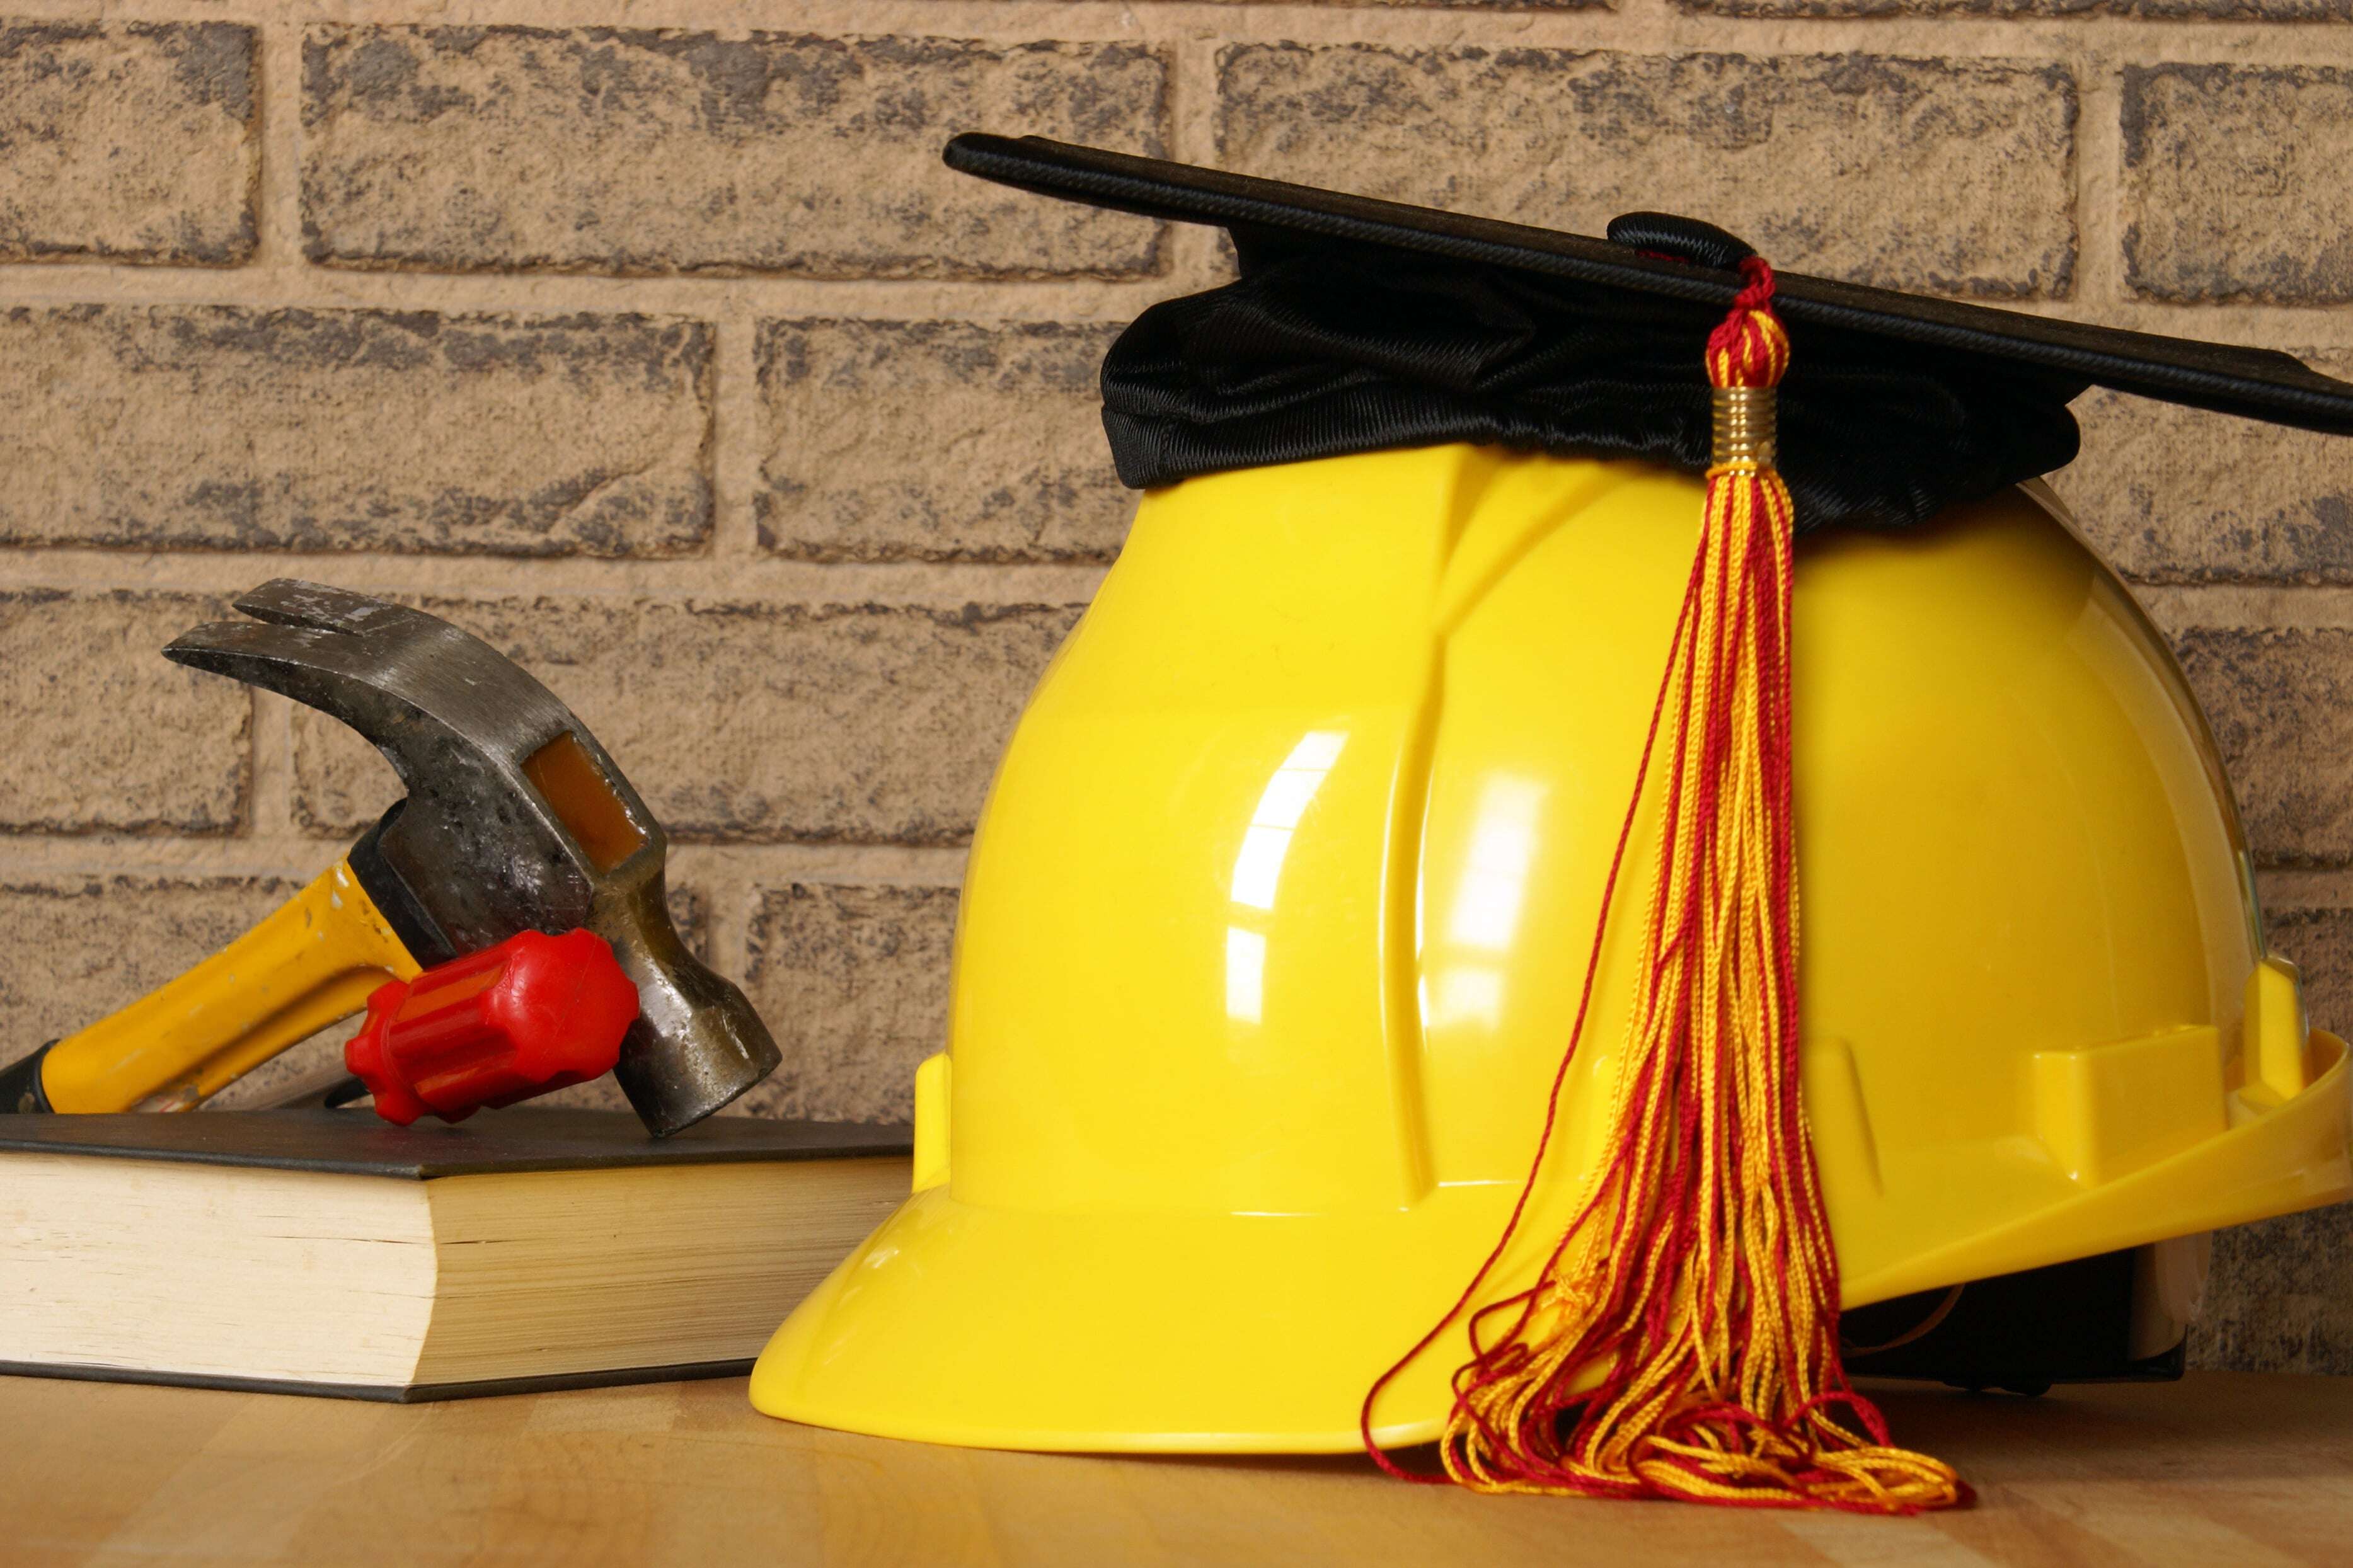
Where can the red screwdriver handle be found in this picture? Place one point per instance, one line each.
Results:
(530, 1014)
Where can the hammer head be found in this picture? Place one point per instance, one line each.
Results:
(515, 820)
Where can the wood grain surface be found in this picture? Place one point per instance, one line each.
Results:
(2221, 1469)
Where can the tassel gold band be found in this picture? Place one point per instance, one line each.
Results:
(1745, 424)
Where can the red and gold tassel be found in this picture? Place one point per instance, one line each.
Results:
(1681, 1339)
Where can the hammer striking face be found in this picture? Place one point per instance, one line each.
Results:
(515, 819)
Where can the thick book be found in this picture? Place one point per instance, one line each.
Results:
(327, 1252)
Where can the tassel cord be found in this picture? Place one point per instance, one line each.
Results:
(1681, 1338)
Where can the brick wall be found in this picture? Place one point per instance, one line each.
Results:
(666, 357)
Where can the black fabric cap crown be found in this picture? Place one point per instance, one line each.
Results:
(1336, 347)
(1358, 325)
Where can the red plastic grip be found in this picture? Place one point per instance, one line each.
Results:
(530, 1014)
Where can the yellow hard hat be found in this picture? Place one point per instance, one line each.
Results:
(1271, 934)
(1275, 925)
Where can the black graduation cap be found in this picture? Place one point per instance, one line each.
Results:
(1358, 325)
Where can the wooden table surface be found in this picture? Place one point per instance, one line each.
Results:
(2220, 1469)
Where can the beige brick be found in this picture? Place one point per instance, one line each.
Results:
(1953, 175)
(2319, 942)
(936, 441)
(2281, 702)
(104, 734)
(2281, 1296)
(738, 721)
(172, 427)
(2235, 182)
(2176, 495)
(75, 949)
(853, 980)
(674, 151)
(131, 142)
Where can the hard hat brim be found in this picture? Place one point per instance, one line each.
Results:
(1068, 1331)
(987, 1327)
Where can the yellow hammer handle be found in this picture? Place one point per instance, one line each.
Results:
(307, 965)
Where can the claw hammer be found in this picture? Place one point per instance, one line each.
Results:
(515, 819)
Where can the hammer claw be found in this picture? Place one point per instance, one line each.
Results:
(291, 601)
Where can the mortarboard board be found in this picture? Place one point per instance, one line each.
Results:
(1358, 325)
